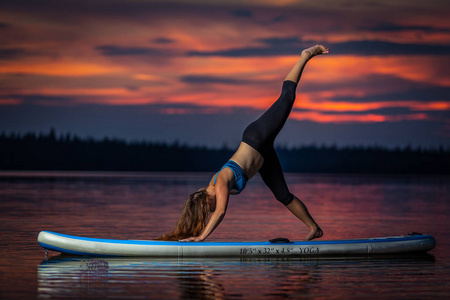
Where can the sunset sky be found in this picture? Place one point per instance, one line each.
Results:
(200, 71)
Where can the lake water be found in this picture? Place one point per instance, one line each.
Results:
(145, 205)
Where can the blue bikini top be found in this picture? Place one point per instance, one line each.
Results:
(240, 178)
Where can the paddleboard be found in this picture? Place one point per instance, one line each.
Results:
(280, 247)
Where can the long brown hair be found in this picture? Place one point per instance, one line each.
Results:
(193, 217)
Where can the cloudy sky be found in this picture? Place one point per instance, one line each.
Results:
(199, 71)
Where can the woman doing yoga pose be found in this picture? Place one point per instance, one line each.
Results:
(204, 210)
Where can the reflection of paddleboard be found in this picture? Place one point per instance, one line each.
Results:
(277, 248)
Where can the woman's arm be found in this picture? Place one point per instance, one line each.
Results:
(222, 196)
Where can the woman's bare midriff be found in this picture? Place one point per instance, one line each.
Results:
(248, 159)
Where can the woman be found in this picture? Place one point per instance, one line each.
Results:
(205, 209)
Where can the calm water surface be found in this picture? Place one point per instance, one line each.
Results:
(144, 205)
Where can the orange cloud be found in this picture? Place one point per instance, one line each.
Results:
(346, 118)
(10, 101)
(59, 68)
(430, 106)
(359, 107)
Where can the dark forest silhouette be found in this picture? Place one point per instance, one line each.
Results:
(32, 151)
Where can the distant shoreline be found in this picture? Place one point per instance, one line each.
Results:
(46, 152)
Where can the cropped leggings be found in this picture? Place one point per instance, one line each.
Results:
(261, 135)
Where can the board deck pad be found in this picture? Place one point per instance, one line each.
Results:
(76, 245)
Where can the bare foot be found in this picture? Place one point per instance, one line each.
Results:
(314, 234)
(315, 50)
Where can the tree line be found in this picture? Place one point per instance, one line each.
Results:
(47, 151)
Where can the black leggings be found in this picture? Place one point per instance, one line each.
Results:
(261, 135)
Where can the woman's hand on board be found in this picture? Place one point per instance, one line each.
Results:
(192, 239)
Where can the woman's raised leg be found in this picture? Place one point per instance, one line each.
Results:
(261, 134)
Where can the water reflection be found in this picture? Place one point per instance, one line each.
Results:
(144, 205)
(205, 279)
